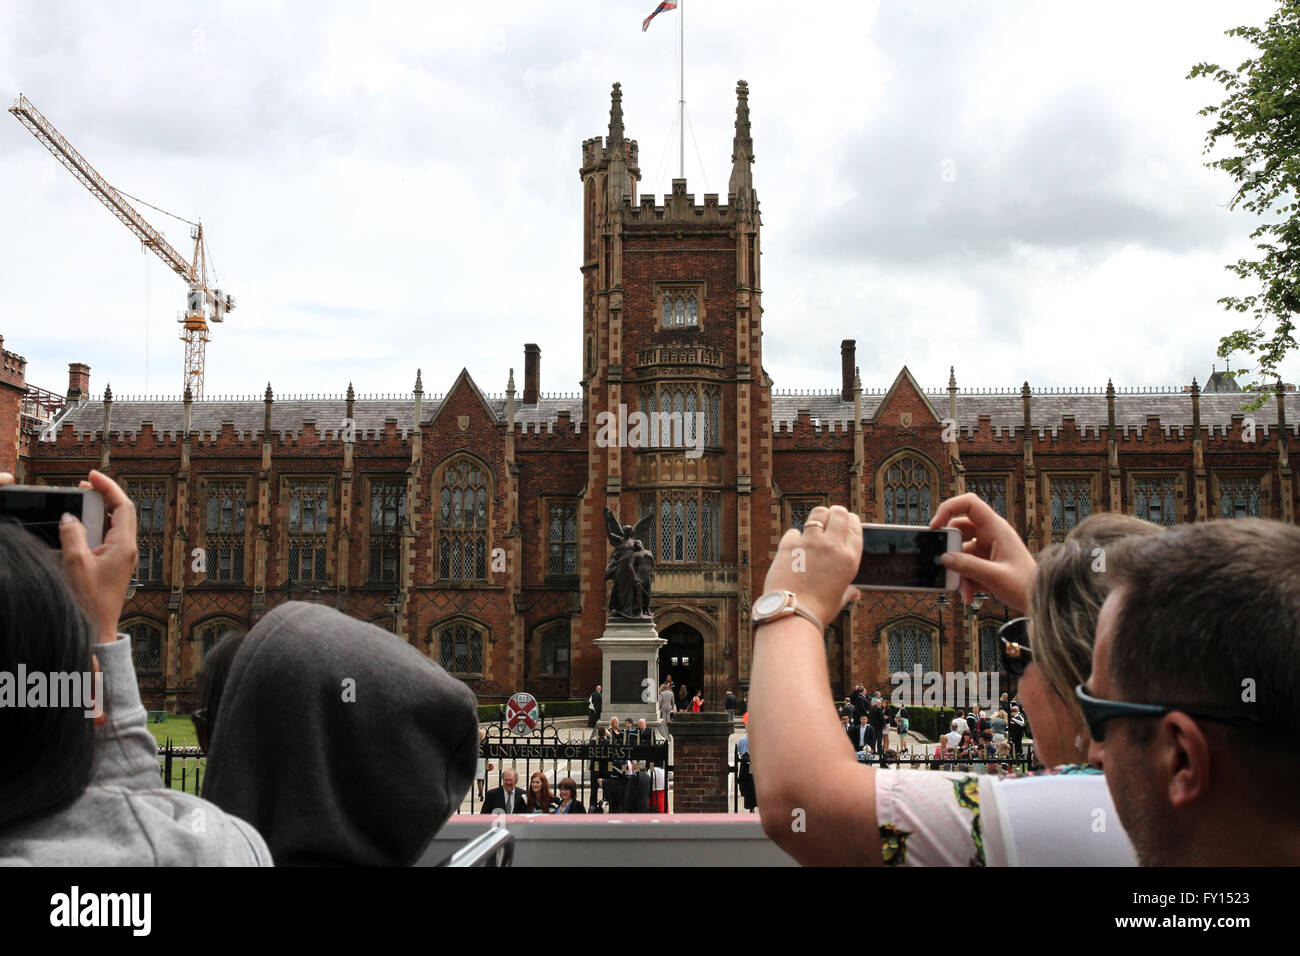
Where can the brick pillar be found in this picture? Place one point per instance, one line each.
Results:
(701, 755)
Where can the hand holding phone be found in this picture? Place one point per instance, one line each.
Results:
(906, 558)
(39, 509)
(102, 575)
(992, 558)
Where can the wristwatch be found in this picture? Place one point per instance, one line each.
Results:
(774, 605)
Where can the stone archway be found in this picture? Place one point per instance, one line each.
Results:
(682, 657)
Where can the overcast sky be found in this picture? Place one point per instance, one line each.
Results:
(1015, 189)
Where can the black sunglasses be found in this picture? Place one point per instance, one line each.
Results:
(1014, 651)
(1096, 712)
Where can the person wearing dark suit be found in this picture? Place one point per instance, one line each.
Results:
(863, 736)
(506, 798)
(858, 700)
(640, 735)
(876, 718)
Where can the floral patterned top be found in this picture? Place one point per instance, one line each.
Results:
(1058, 817)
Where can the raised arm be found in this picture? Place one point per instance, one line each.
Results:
(125, 752)
(817, 802)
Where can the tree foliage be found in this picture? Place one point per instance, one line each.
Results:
(1259, 122)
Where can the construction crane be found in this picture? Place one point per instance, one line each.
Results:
(203, 304)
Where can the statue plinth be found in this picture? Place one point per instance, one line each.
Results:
(630, 670)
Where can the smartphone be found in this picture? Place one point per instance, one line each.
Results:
(898, 557)
(39, 509)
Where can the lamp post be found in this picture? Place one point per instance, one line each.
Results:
(942, 604)
(393, 603)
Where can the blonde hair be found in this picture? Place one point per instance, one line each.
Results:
(1070, 586)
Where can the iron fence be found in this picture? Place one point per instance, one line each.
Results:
(598, 766)
(182, 768)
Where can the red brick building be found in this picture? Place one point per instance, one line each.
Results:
(473, 523)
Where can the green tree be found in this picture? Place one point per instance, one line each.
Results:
(1260, 122)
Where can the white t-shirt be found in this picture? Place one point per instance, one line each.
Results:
(1060, 817)
(658, 781)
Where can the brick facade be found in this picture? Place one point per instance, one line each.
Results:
(544, 461)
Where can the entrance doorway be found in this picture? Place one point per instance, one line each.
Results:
(682, 658)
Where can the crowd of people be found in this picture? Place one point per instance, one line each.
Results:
(1162, 685)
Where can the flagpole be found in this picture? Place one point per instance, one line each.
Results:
(681, 88)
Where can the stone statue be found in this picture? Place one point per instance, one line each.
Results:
(631, 567)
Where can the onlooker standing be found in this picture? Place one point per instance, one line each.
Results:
(594, 706)
(482, 769)
(876, 718)
(569, 802)
(506, 798)
(730, 704)
(540, 798)
(697, 702)
(901, 725)
(998, 727)
(1017, 731)
(667, 707)
(683, 698)
(658, 790)
(955, 730)
(863, 736)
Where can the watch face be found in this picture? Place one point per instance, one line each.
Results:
(769, 603)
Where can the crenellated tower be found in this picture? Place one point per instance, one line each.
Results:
(672, 362)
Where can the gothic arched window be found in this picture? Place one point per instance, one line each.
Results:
(460, 647)
(910, 644)
(146, 645)
(906, 491)
(462, 521)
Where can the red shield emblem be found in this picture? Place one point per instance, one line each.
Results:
(522, 713)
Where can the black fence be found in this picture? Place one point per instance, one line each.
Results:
(605, 770)
(182, 768)
(919, 757)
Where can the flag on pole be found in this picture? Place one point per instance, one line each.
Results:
(666, 5)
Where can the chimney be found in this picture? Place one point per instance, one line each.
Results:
(78, 381)
(532, 373)
(848, 352)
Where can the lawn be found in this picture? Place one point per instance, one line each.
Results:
(179, 728)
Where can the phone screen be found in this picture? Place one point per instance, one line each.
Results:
(39, 511)
(903, 558)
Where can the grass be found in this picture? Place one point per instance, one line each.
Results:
(180, 729)
(177, 727)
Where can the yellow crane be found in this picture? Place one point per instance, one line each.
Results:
(203, 304)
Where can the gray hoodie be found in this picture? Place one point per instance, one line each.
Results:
(126, 817)
(339, 741)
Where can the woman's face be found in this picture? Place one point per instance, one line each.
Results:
(1054, 729)
(536, 783)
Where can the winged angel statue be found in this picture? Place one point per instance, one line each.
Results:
(631, 567)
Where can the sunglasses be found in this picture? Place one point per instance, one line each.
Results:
(1097, 712)
(1014, 652)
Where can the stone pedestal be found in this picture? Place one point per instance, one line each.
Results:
(701, 759)
(630, 670)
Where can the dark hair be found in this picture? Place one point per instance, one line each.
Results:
(212, 683)
(46, 753)
(1206, 608)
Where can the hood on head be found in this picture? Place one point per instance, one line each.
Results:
(340, 742)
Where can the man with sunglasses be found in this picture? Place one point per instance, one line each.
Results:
(1194, 694)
